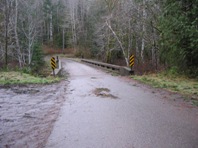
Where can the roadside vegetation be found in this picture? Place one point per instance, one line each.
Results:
(12, 78)
(38, 72)
(173, 82)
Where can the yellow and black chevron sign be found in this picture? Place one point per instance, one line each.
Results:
(53, 63)
(132, 60)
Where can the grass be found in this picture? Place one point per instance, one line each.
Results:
(9, 78)
(174, 83)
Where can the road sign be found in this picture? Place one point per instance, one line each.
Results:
(132, 61)
(53, 63)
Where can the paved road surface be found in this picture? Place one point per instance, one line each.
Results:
(104, 111)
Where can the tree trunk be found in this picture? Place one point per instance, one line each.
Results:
(51, 28)
(143, 31)
(120, 44)
(16, 35)
(129, 40)
(6, 33)
(63, 40)
(73, 27)
(29, 44)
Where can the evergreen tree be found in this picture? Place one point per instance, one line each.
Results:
(179, 36)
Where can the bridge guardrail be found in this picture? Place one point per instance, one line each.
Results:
(124, 71)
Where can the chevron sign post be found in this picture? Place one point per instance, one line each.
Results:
(132, 61)
(53, 64)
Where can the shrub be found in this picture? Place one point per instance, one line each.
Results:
(37, 58)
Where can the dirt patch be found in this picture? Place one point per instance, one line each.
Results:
(25, 90)
(104, 92)
(28, 113)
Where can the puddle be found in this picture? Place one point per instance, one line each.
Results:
(104, 92)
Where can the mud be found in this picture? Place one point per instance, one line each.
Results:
(28, 113)
(104, 92)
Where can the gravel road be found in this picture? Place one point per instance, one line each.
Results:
(105, 111)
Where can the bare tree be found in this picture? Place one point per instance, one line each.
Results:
(129, 23)
(30, 21)
(7, 12)
(18, 48)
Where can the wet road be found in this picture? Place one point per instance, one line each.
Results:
(104, 111)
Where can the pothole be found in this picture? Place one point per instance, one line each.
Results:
(104, 92)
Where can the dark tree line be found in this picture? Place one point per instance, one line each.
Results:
(179, 35)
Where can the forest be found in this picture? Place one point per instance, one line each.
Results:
(162, 34)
